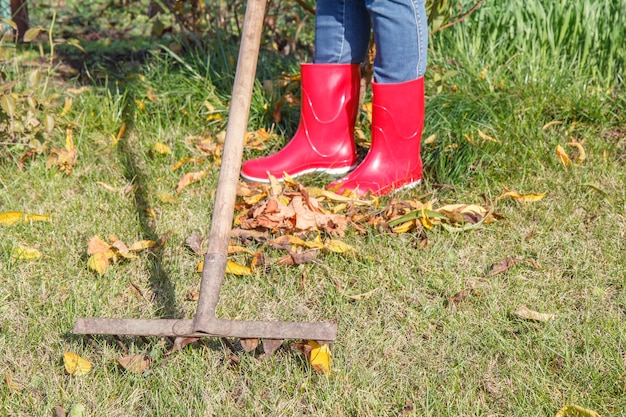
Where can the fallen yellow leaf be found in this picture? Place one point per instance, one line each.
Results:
(320, 357)
(576, 411)
(64, 159)
(231, 268)
(426, 221)
(14, 217)
(404, 227)
(75, 365)
(121, 190)
(162, 148)
(239, 249)
(363, 296)
(166, 198)
(525, 198)
(25, 253)
(237, 269)
(487, 137)
(141, 245)
(552, 123)
(562, 156)
(98, 262)
(120, 133)
(430, 140)
(527, 314)
(67, 106)
(335, 245)
(582, 155)
(184, 161)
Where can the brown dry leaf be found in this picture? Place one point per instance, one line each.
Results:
(136, 364)
(10, 382)
(194, 242)
(305, 218)
(120, 248)
(190, 178)
(97, 245)
(15, 217)
(193, 295)
(249, 344)
(299, 258)
(244, 235)
(180, 342)
(458, 297)
(463, 213)
(508, 263)
(269, 214)
(271, 345)
(59, 411)
(256, 140)
(75, 365)
(562, 156)
(527, 314)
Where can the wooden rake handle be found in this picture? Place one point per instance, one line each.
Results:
(221, 223)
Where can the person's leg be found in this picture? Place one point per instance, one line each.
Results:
(393, 161)
(342, 31)
(401, 37)
(324, 140)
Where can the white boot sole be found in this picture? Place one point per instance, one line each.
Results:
(329, 171)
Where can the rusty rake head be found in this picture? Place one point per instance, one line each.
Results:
(205, 322)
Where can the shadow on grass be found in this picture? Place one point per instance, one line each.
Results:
(162, 286)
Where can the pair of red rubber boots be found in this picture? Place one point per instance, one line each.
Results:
(324, 141)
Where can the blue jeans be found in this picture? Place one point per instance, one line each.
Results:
(342, 31)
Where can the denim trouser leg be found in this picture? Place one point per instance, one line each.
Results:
(342, 29)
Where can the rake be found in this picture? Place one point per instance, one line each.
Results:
(205, 322)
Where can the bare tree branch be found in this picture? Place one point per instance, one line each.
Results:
(306, 6)
(461, 18)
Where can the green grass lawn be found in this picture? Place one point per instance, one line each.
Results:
(436, 334)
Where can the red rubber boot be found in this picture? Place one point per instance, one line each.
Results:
(324, 140)
(393, 161)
